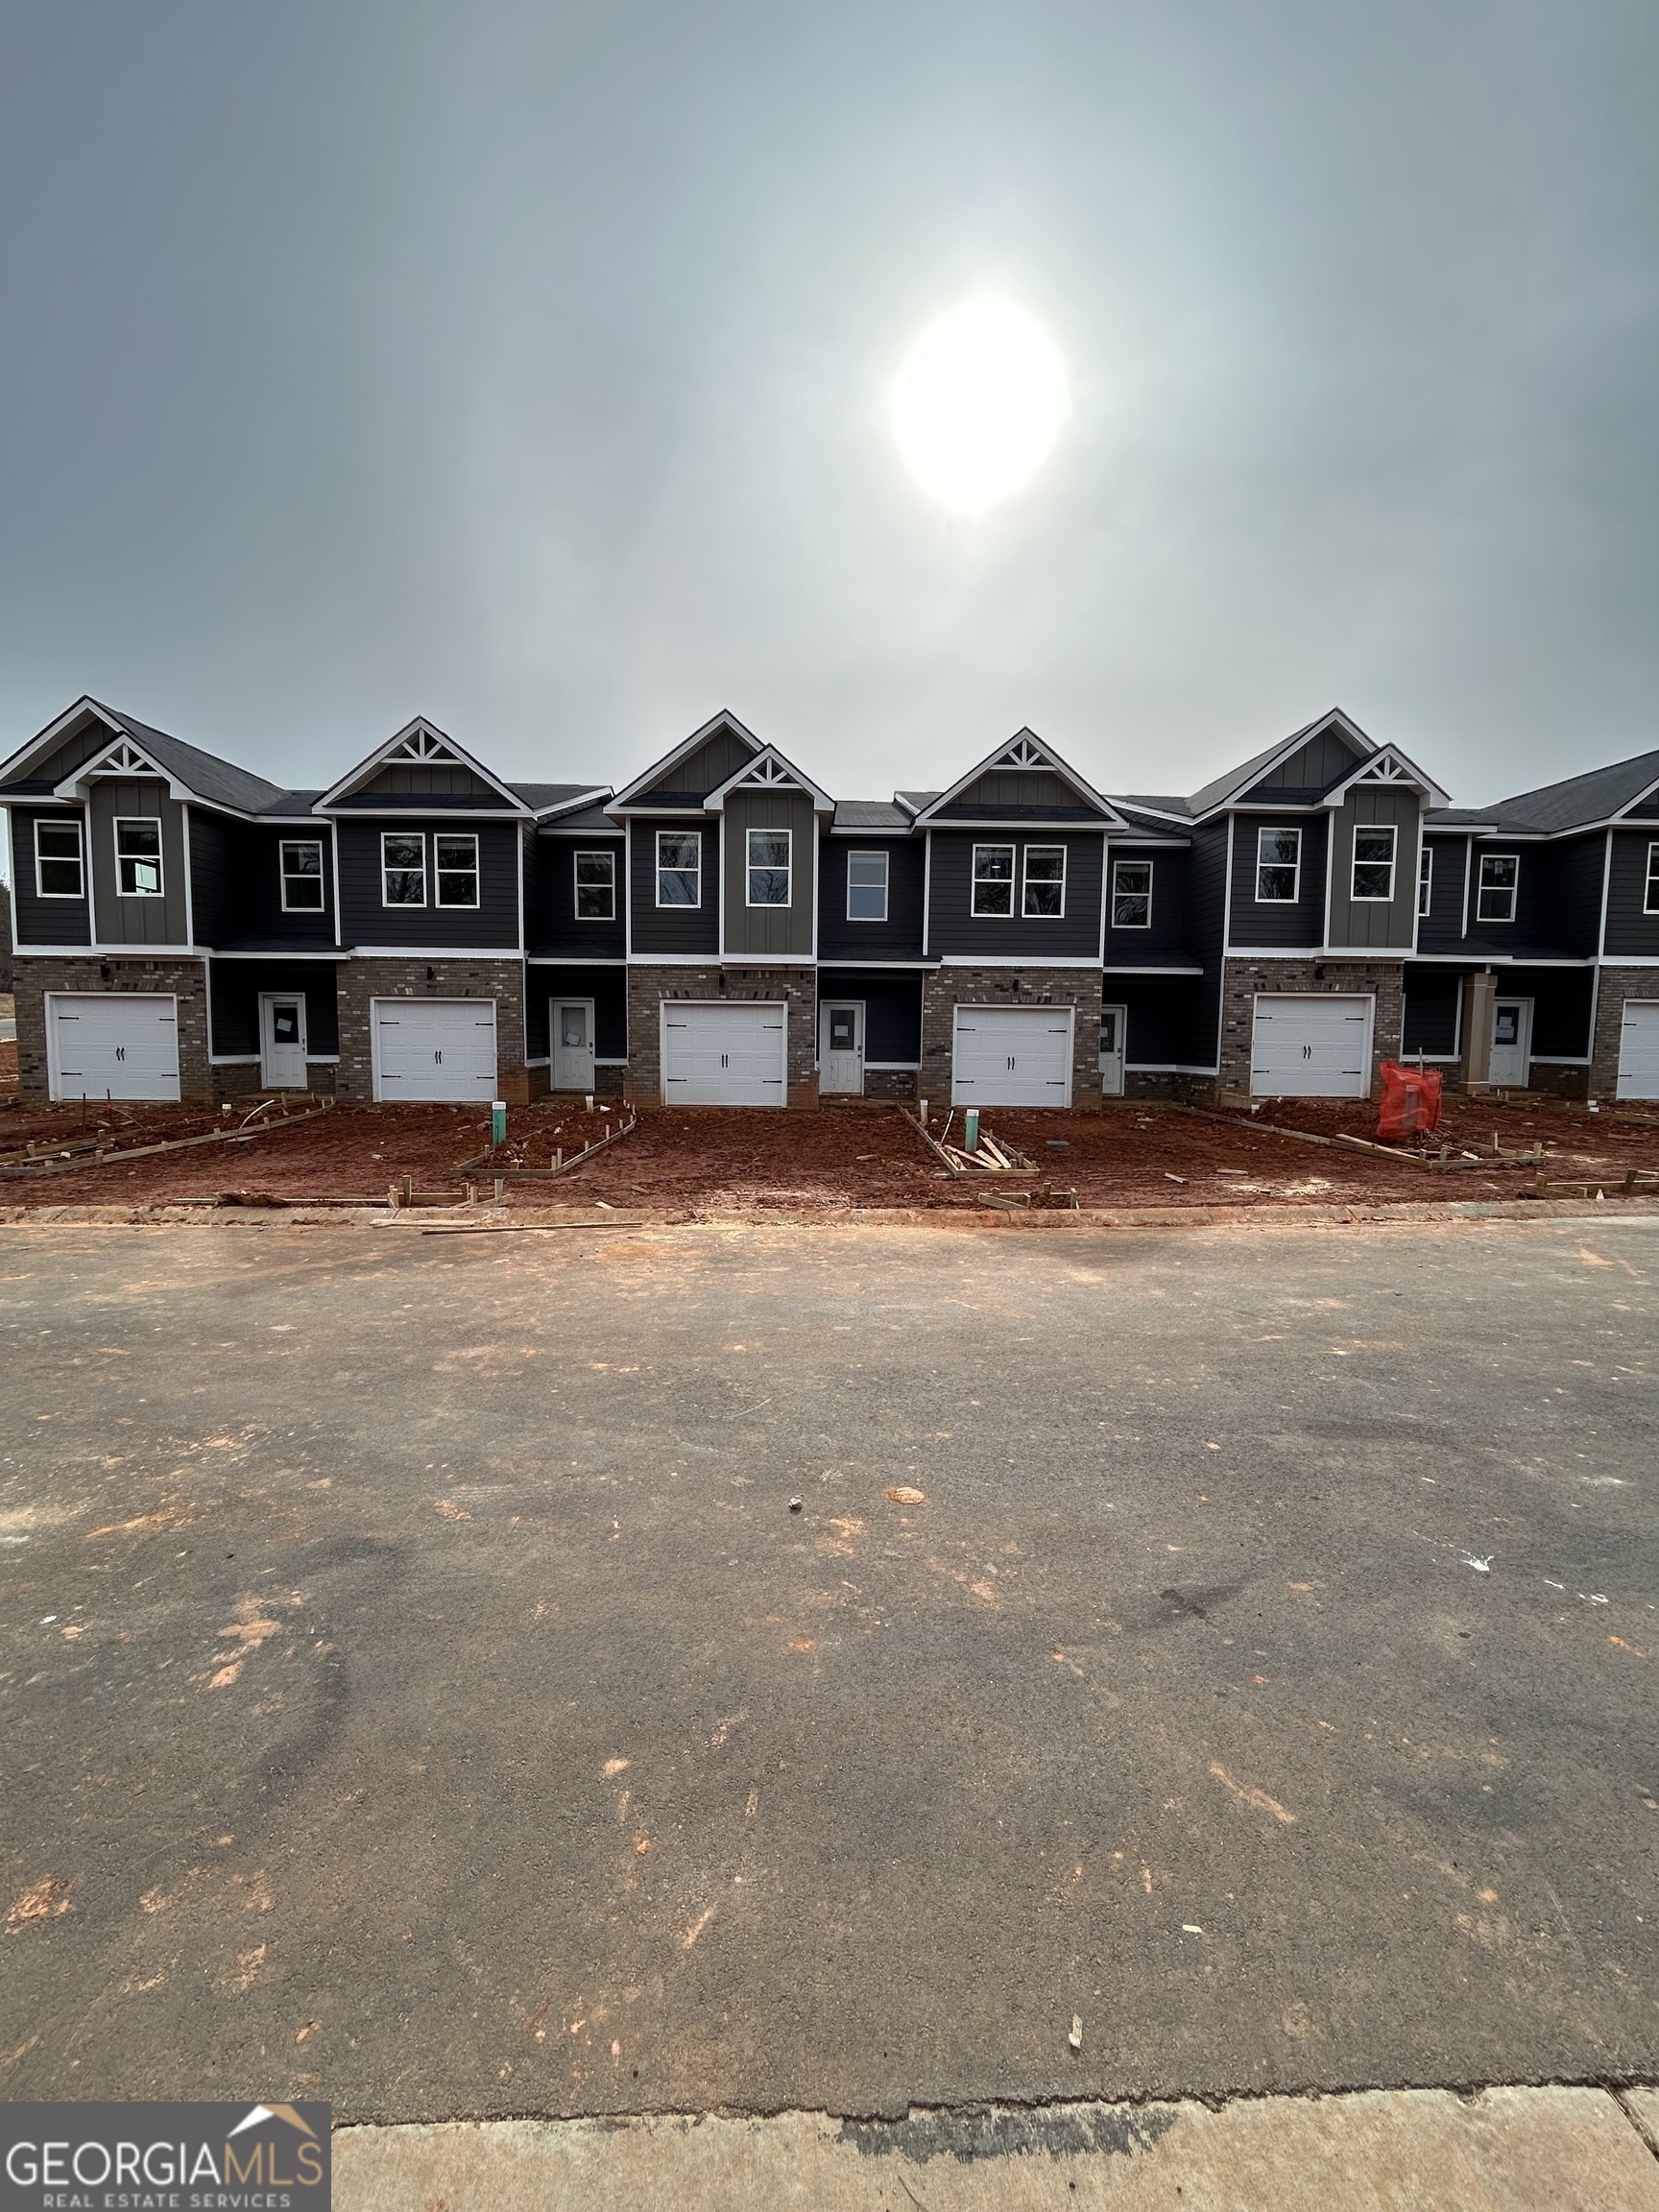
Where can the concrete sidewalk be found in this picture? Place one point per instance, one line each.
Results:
(1394, 2151)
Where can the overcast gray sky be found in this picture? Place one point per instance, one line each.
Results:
(527, 367)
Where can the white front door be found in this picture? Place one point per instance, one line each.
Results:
(112, 1044)
(571, 1026)
(1639, 1050)
(283, 1040)
(1114, 1023)
(1306, 1044)
(1511, 1043)
(434, 1049)
(733, 1053)
(1012, 1056)
(841, 1048)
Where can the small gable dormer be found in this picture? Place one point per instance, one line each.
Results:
(711, 757)
(421, 768)
(1024, 781)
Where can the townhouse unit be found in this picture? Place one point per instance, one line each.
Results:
(721, 930)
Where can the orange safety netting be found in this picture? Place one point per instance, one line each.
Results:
(1410, 1101)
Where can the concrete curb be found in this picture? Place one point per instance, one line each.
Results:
(1552, 2150)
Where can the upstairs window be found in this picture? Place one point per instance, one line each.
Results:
(1425, 878)
(1045, 880)
(768, 867)
(1278, 867)
(138, 859)
(1500, 875)
(302, 871)
(1131, 894)
(1650, 904)
(402, 868)
(455, 863)
(595, 886)
(1374, 862)
(58, 871)
(866, 886)
(992, 880)
(678, 868)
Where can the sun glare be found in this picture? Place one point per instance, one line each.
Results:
(979, 403)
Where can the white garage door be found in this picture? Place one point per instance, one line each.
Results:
(434, 1049)
(1639, 1050)
(1311, 1047)
(724, 1055)
(1012, 1056)
(114, 1045)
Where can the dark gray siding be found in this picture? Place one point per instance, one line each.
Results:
(1268, 922)
(45, 920)
(1560, 1008)
(261, 912)
(771, 931)
(1431, 1025)
(1325, 759)
(220, 877)
(673, 928)
(1166, 933)
(954, 927)
(1630, 931)
(1365, 923)
(1575, 918)
(607, 987)
(493, 923)
(899, 936)
(1206, 925)
(1018, 788)
(892, 1012)
(554, 926)
(1441, 928)
(722, 756)
(234, 987)
(91, 736)
(120, 921)
(420, 780)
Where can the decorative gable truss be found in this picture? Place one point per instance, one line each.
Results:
(718, 731)
(419, 745)
(121, 756)
(1391, 769)
(769, 771)
(1026, 755)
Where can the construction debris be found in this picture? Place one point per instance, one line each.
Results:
(987, 1158)
(100, 1150)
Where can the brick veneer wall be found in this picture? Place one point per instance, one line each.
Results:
(1242, 980)
(648, 987)
(945, 989)
(186, 981)
(1617, 984)
(361, 980)
(890, 1083)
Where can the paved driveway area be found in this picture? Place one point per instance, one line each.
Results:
(415, 1689)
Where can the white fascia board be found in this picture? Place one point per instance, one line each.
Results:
(873, 830)
(861, 967)
(1175, 974)
(572, 960)
(45, 739)
(1491, 960)
(213, 953)
(418, 727)
(422, 813)
(605, 830)
(73, 785)
(659, 768)
(1026, 962)
(821, 802)
(1412, 777)
(1156, 813)
(1111, 819)
(427, 953)
(1249, 778)
(594, 798)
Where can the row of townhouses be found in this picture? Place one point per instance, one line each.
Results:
(723, 932)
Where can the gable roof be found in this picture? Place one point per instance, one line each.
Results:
(1022, 753)
(196, 774)
(418, 744)
(1581, 801)
(657, 769)
(1223, 788)
(768, 769)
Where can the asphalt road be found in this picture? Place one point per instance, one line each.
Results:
(417, 1690)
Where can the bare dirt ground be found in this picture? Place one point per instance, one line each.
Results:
(849, 1155)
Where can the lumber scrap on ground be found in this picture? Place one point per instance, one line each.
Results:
(69, 1159)
(992, 1158)
(486, 1160)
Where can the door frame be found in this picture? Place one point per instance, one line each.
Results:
(569, 998)
(977, 1006)
(825, 1005)
(1529, 1006)
(266, 1001)
(1123, 1012)
(386, 999)
(667, 1006)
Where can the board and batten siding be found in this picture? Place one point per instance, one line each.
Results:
(491, 924)
(899, 936)
(954, 927)
(37, 921)
(775, 932)
(1274, 924)
(658, 929)
(1631, 934)
(137, 922)
(721, 755)
(1365, 923)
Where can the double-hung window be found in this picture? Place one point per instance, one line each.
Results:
(768, 868)
(138, 857)
(1044, 880)
(58, 871)
(402, 868)
(678, 868)
(456, 864)
(992, 880)
(1650, 903)
(1425, 878)
(1278, 867)
(1131, 894)
(1499, 876)
(596, 886)
(301, 866)
(866, 886)
(1374, 862)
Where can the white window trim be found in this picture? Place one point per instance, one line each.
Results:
(1026, 913)
(766, 868)
(132, 821)
(63, 821)
(607, 854)
(1504, 920)
(1147, 895)
(1650, 890)
(1424, 881)
(1356, 897)
(886, 861)
(680, 905)
(984, 913)
(457, 905)
(283, 846)
(403, 905)
(1290, 829)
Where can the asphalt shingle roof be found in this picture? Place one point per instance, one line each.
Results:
(870, 814)
(1588, 798)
